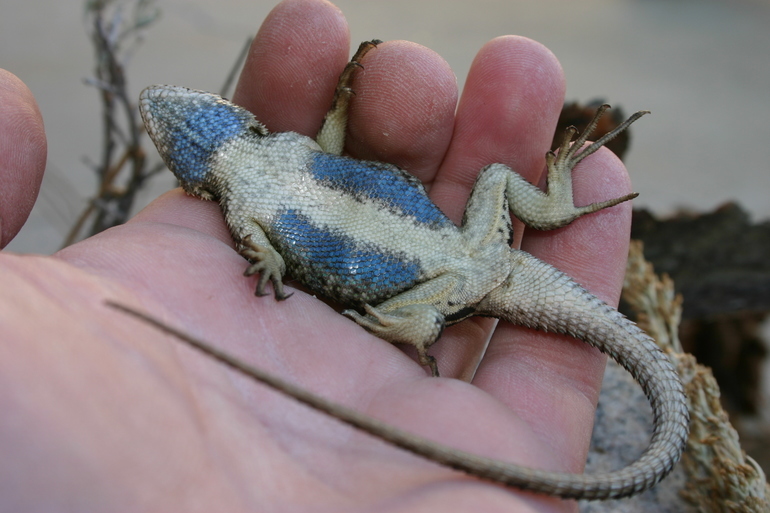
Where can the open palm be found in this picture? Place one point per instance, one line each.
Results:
(102, 413)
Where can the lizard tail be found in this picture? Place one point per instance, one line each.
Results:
(586, 318)
(538, 295)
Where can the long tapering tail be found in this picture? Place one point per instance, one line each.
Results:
(538, 295)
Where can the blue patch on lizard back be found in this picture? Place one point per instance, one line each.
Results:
(335, 265)
(394, 188)
(195, 131)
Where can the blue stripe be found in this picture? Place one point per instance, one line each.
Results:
(197, 132)
(336, 266)
(394, 188)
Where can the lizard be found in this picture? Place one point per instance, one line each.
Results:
(365, 234)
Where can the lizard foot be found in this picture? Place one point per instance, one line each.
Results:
(267, 263)
(331, 136)
(419, 325)
(555, 208)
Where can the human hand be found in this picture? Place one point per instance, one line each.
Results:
(102, 413)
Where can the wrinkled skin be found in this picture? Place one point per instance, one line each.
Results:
(102, 413)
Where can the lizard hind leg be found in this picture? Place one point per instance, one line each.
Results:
(555, 208)
(419, 325)
(415, 317)
(331, 135)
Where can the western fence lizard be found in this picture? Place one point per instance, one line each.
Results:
(366, 235)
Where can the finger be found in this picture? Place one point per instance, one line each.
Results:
(507, 114)
(405, 94)
(287, 82)
(555, 380)
(293, 65)
(403, 111)
(22, 154)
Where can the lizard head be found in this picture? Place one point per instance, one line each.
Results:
(188, 127)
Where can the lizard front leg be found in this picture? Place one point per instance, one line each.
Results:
(331, 136)
(265, 261)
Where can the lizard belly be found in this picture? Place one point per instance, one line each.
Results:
(353, 231)
(334, 263)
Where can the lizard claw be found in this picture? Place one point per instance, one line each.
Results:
(267, 263)
(555, 208)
